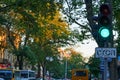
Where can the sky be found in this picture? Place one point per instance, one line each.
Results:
(87, 49)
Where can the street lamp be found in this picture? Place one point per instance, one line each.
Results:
(67, 55)
(49, 59)
(65, 68)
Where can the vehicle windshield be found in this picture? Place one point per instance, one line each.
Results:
(80, 73)
(5, 74)
(24, 75)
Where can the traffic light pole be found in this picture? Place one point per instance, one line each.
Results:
(105, 63)
(113, 64)
(106, 68)
(104, 37)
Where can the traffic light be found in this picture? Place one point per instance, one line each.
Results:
(105, 23)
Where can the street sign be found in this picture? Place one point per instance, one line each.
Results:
(105, 52)
(102, 68)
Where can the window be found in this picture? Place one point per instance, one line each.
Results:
(31, 74)
(80, 73)
(24, 75)
(6, 73)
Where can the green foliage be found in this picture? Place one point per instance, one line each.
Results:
(116, 18)
(56, 68)
(20, 17)
(73, 10)
(93, 65)
(76, 61)
(29, 55)
(2, 20)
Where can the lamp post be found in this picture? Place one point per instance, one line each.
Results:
(65, 68)
(48, 72)
(67, 55)
(49, 59)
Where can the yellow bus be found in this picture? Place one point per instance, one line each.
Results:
(80, 74)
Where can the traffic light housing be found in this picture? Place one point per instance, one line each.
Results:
(104, 23)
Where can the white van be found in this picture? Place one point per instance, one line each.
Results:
(25, 75)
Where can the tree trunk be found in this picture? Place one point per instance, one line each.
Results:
(39, 71)
(20, 62)
(44, 72)
(113, 70)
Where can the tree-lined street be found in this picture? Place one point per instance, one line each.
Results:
(37, 35)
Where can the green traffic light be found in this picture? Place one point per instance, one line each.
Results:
(104, 32)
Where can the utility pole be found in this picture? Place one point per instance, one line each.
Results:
(65, 68)
(113, 63)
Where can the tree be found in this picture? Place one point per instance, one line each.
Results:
(19, 17)
(73, 60)
(94, 66)
(33, 22)
(50, 35)
(55, 68)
